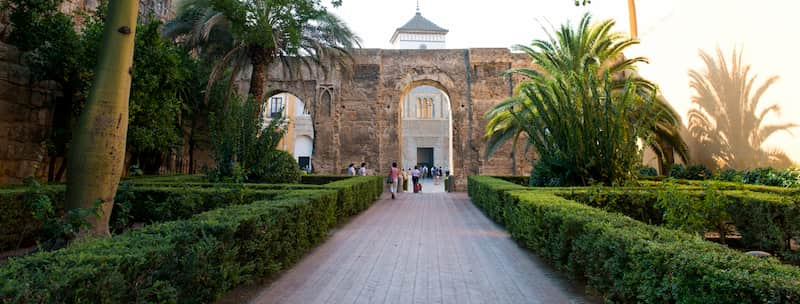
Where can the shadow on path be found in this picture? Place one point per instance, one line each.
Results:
(419, 248)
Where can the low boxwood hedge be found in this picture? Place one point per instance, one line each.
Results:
(188, 261)
(765, 221)
(629, 261)
(321, 179)
(133, 204)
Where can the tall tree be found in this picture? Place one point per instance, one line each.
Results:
(259, 32)
(97, 153)
(591, 51)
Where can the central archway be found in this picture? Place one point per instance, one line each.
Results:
(426, 127)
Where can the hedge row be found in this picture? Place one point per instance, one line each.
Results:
(133, 204)
(321, 179)
(629, 261)
(186, 261)
(765, 221)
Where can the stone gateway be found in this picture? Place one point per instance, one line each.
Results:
(356, 105)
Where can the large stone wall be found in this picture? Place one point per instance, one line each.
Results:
(25, 117)
(361, 122)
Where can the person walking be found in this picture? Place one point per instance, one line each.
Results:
(392, 179)
(415, 177)
(435, 173)
(351, 170)
(363, 170)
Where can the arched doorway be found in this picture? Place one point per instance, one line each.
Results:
(426, 135)
(299, 136)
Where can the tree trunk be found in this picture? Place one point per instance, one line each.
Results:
(259, 58)
(97, 153)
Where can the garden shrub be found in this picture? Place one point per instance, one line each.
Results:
(276, 167)
(516, 179)
(356, 194)
(195, 260)
(629, 261)
(647, 171)
(677, 171)
(772, 177)
(697, 172)
(321, 179)
(765, 221)
(19, 225)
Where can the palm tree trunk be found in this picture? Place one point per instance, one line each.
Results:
(97, 153)
(258, 77)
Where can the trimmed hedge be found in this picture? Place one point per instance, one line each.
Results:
(629, 261)
(133, 203)
(765, 221)
(356, 194)
(187, 261)
(17, 224)
(321, 179)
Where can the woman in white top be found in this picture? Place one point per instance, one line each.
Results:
(363, 170)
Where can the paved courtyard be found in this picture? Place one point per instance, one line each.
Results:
(420, 248)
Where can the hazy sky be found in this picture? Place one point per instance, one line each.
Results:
(672, 32)
(496, 23)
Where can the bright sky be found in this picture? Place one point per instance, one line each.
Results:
(671, 33)
(472, 23)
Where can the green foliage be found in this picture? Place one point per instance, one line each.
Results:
(159, 74)
(628, 261)
(694, 172)
(276, 167)
(772, 177)
(647, 171)
(693, 214)
(728, 175)
(578, 113)
(582, 132)
(239, 138)
(189, 261)
(321, 179)
(54, 50)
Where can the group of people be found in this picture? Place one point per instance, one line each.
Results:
(353, 171)
(433, 172)
(396, 177)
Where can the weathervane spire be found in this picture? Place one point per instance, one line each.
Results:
(417, 7)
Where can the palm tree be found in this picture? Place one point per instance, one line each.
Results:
(735, 130)
(260, 32)
(97, 152)
(591, 50)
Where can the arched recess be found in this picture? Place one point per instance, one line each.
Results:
(299, 135)
(426, 135)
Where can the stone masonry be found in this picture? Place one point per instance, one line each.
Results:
(361, 120)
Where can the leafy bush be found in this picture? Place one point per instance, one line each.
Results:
(697, 172)
(772, 177)
(629, 261)
(277, 166)
(728, 175)
(689, 213)
(519, 180)
(189, 261)
(240, 140)
(36, 214)
(677, 171)
(647, 171)
(320, 179)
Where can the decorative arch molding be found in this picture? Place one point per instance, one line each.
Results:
(430, 76)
